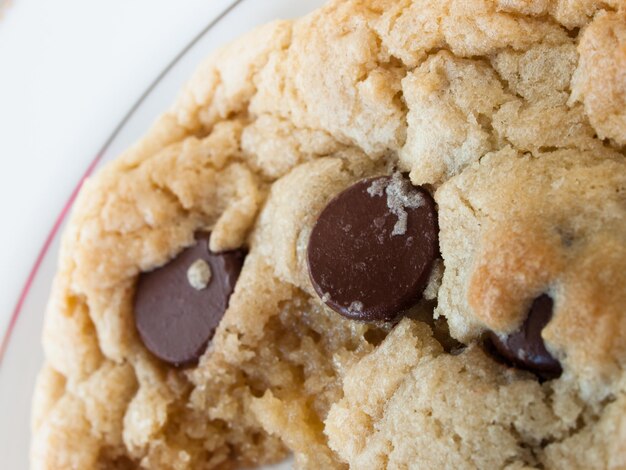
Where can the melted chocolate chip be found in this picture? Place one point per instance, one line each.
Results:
(372, 248)
(176, 319)
(525, 347)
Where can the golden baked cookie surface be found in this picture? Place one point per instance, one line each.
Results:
(511, 113)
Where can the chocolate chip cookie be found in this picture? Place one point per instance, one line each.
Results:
(390, 234)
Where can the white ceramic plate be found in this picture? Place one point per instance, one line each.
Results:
(21, 354)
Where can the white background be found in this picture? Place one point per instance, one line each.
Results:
(69, 72)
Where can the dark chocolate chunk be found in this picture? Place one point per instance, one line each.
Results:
(525, 347)
(372, 248)
(179, 305)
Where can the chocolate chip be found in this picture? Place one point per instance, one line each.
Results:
(372, 248)
(176, 320)
(525, 347)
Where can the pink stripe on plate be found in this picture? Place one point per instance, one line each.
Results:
(41, 256)
(94, 163)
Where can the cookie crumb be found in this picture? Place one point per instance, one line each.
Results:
(400, 197)
(199, 274)
(434, 281)
(377, 187)
(356, 306)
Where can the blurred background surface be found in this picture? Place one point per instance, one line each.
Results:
(69, 71)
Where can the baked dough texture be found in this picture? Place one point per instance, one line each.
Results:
(511, 112)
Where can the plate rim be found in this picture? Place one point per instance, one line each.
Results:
(61, 217)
